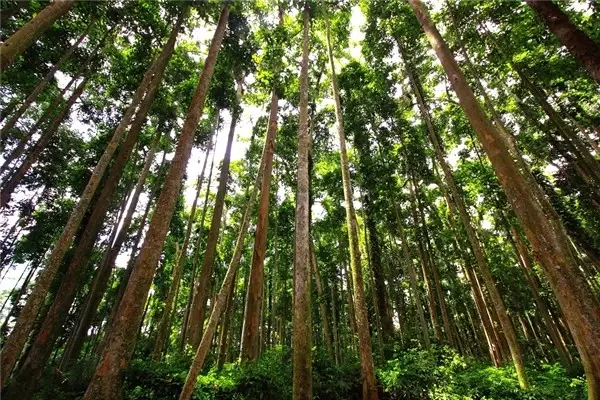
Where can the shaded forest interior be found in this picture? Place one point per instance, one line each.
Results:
(298, 199)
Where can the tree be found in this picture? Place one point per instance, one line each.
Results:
(117, 351)
(15, 45)
(542, 226)
(366, 353)
(580, 45)
(302, 313)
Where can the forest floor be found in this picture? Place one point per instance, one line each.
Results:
(439, 373)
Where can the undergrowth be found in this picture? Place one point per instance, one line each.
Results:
(439, 373)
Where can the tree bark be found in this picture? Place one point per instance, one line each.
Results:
(225, 294)
(19, 41)
(185, 324)
(42, 85)
(42, 347)
(425, 267)
(579, 44)
(121, 340)
(255, 283)
(525, 262)
(408, 258)
(10, 184)
(540, 221)
(362, 322)
(20, 147)
(301, 319)
(162, 332)
(203, 282)
(387, 326)
(75, 342)
(322, 303)
(16, 341)
(224, 341)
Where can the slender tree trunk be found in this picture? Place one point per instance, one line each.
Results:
(387, 326)
(20, 294)
(42, 85)
(433, 314)
(322, 303)
(540, 221)
(490, 283)
(301, 320)
(412, 276)
(10, 184)
(526, 264)
(579, 44)
(188, 309)
(75, 343)
(226, 290)
(349, 301)
(225, 327)
(253, 299)
(164, 325)
(20, 147)
(42, 347)
(362, 322)
(203, 282)
(14, 345)
(120, 291)
(121, 339)
(15, 45)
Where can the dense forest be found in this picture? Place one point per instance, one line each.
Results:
(298, 199)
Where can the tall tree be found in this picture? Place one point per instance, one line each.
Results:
(120, 340)
(201, 290)
(362, 322)
(301, 321)
(540, 222)
(579, 44)
(18, 42)
(256, 279)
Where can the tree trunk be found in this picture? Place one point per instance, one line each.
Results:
(203, 282)
(42, 85)
(75, 343)
(350, 302)
(362, 322)
(120, 290)
(579, 44)
(387, 326)
(164, 326)
(423, 258)
(226, 291)
(15, 45)
(540, 221)
(322, 303)
(20, 147)
(162, 329)
(42, 347)
(225, 327)
(525, 263)
(301, 320)
(412, 275)
(185, 323)
(14, 345)
(10, 184)
(253, 298)
(121, 340)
